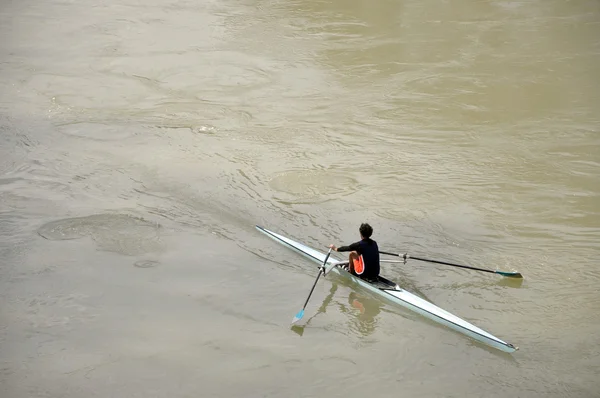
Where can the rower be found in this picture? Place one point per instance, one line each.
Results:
(364, 255)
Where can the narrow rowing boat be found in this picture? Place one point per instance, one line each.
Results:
(392, 292)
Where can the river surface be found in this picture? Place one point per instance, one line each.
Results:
(142, 141)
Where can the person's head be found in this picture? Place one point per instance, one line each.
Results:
(365, 230)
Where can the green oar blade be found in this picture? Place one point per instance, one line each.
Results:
(510, 274)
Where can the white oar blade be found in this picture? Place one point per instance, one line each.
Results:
(298, 316)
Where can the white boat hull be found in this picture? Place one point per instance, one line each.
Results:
(397, 295)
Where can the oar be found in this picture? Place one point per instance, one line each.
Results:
(503, 273)
(300, 313)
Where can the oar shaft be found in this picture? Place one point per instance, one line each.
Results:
(321, 270)
(453, 265)
(440, 262)
(406, 257)
(313, 287)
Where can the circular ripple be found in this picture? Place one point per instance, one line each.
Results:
(98, 131)
(70, 228)
(112, 232)
(146, 264)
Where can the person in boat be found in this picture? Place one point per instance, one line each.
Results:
(363, 260)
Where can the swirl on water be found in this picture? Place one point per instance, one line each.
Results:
(98, 131)
(146, 264)
(311, 186)
(116, 233)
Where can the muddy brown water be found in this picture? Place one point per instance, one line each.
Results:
(142, 141)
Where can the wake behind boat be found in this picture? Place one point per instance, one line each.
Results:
(392, 292)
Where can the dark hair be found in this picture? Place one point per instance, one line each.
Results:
(365, 230)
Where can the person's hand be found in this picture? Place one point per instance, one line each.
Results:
(332, 247)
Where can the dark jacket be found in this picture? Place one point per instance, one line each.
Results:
(370, 252)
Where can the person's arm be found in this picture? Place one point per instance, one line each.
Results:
(350, 248)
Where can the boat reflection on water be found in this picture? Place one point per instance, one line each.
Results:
(299, 329)
(363, 311)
